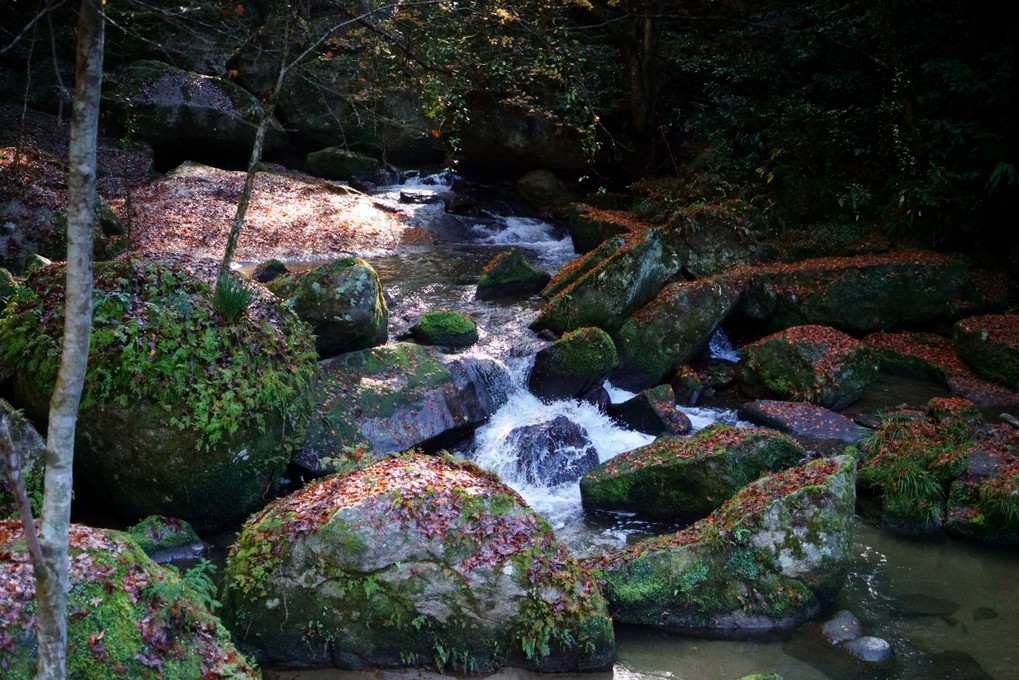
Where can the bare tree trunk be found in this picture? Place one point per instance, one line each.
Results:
(51, 577)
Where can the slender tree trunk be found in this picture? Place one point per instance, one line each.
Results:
(51, 579)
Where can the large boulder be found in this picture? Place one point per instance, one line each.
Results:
(509, 274)
(863, 293)
(711, 239)
(342, 300)
(413, 561)
(572, 365)
(30, 448)
(809, 363)
(335, 162)
(812, 426)
(169, 107)
(541, 189)
(552, 453)
(445, 327)
(653, 412)
(675, 327)
(620, 285)
(577, 268)
(772, 557)
(394, 397)
(129, 617)
(990, 344)
(590, 227)
(183, 413)
(687, 478)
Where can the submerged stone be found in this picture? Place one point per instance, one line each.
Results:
(553, 453)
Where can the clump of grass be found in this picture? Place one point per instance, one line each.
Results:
(232, 298)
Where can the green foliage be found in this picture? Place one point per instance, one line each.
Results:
(1000, 498)
(232, 297)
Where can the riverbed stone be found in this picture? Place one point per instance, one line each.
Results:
(390, 398)
(869, 648)
(269, 270)
(811, 425)
(675, 327)
(983, 503)
(687, 478)
(541, 188)
(576, 269)
(771, 557)
(509, 274)
(990, 345)
(182, 412)
(343, 300)
(335, 162)
(552, 453)
(415, 560)
(713, 238)
(621, 284)
(572, 365)
(816, 364)
(590, 227)
(842, 627)
(445, 327)
(652, 411)
(129, 617)
(30, 448)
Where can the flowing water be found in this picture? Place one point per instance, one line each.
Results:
(948, 609)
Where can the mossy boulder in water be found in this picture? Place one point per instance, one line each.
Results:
(414, 561)
(509, 274)
(687, 478)
(990, 344)
(30, 448)
(771, 557)
(810, 363)
(572, 364)
(447, 328)
(166, 539)
(675, 327)
(335, 162)
(342, 300)
(574, 270)
(128, 617)
(590, 227)
(269, 270)
(182, 413)
(620, 285)
(653, 411)
(391, 398)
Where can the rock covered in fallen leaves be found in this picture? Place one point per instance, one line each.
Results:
(816, 364)
(576, 269)
(182, 413)
(167, 539)
(653, 412)
(335, 162)
(414, 561)
(343, 301)
(990, 344)
(771, 557)
(606, 295)
(590, 227)
(509, 274)
(552, 453)
(983, 503)
(128, 617)
(164, 105)
(687, 478)
(713, 238)
(675, 327)
(572, 365)
(33, 210)
(30, 448)
(811, 424)
(445, 327)
(391, 398)
(865, 292)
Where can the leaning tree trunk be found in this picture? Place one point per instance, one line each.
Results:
(51, 580)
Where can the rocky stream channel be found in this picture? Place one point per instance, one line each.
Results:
(945, 606)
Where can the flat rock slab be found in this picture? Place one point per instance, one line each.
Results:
(803, 421)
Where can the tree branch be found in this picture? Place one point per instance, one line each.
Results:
(14, 478)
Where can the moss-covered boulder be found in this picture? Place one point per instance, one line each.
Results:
(572, 365)
(30, 448)
(541, 189)
(990, 344)
(414, 561)
(269, 270)
(687, 478)
(590, 227)
(509, 274)
(167, 539)
(653, 412)
(342, 300)
(166, 106)
(864, 293)
(772, 557)
(983, 503)
(713, 238)
(128, 617)
(576, 269)
(815, 364)
(675, 327)
(8, 285)
(391, 398)
(445, 327)
(335, 162)
(182, 412)
(617, 287)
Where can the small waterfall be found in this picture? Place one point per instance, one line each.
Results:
(721, 348)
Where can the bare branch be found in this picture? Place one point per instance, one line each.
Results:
(12, 458)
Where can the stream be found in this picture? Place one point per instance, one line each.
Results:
(947, 608)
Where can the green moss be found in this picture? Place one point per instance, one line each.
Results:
(445, 327)
(160, 533)
(510, 274)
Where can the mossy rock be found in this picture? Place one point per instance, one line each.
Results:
(335, 162)
(343, 301)
(509, 274)
(589, 228)
(713, 238)
(157, 533)
(541, 188)
(990, 345)
(815, 364)
(8, 285)
(414, 561)
(617, 287)
(31, 450)
(771, 557)
(576, 269)
(572, 364)
(675, 327)
(128, 617)
(653, 411)
(182, 413)
(269, 270)
(447, 328)
(687, 478)
(983, 503)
